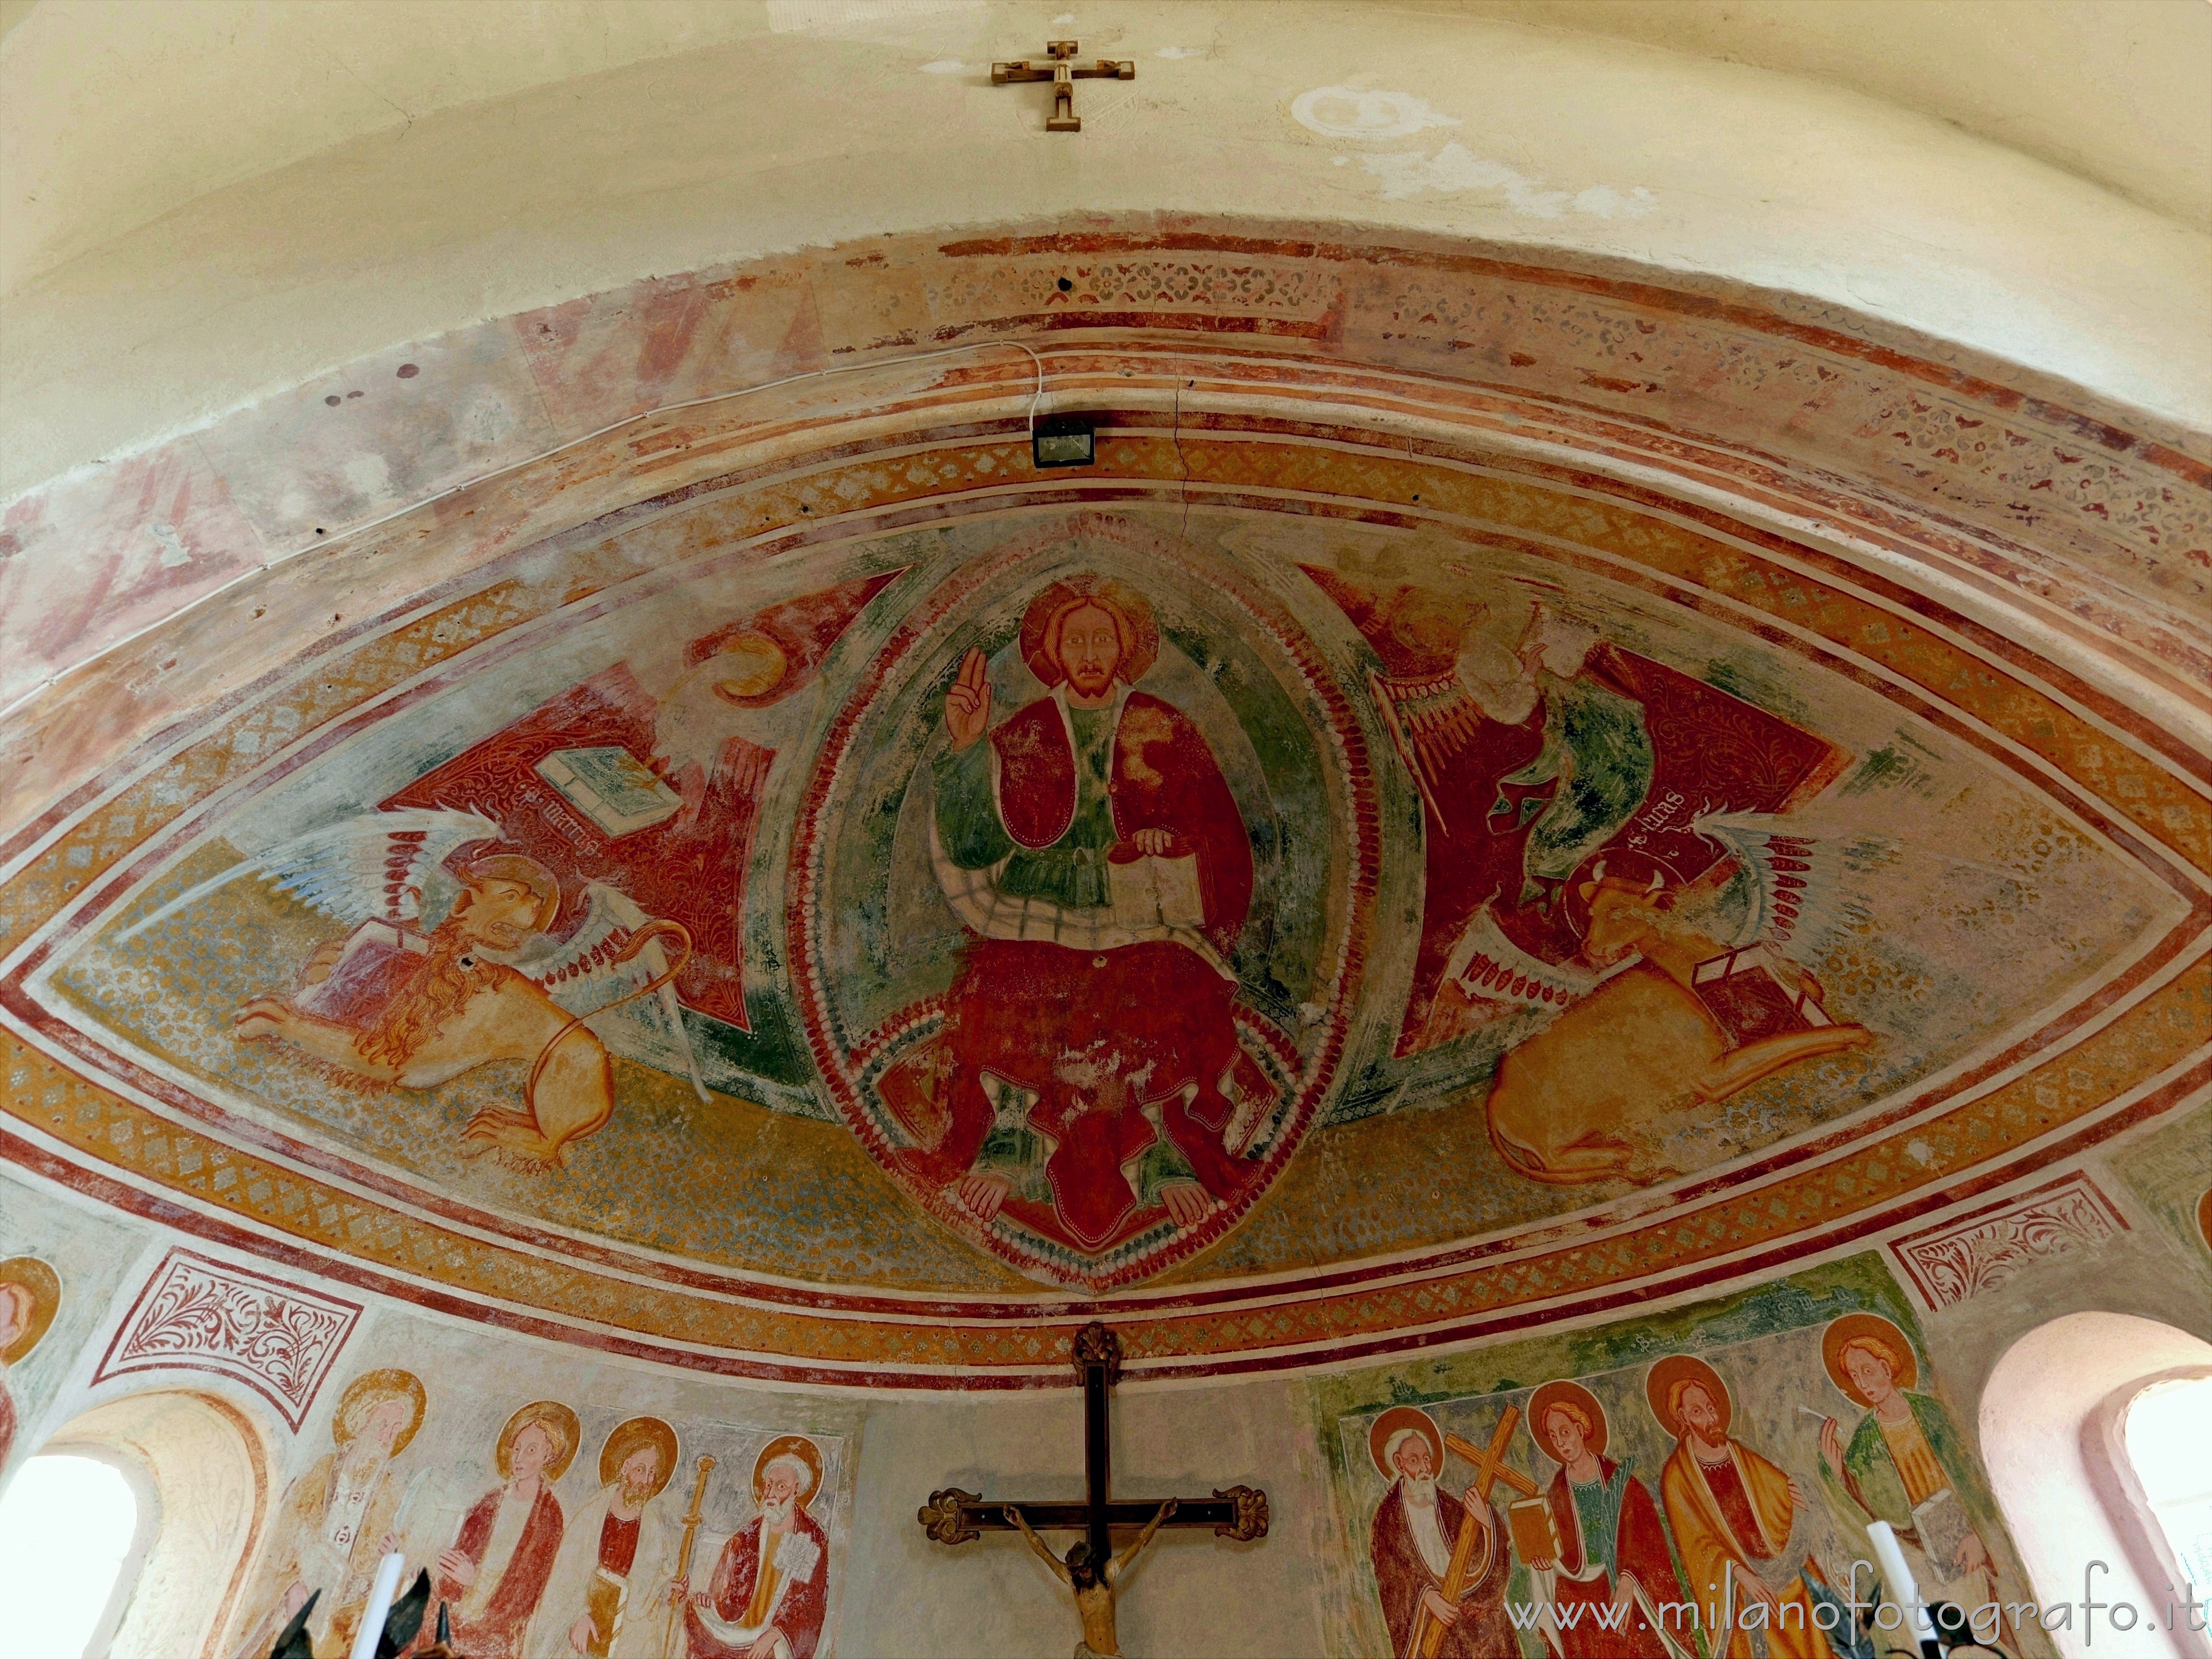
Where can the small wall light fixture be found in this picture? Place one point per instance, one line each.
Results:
(1065, 440)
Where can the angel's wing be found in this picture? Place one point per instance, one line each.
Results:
(1491, 966)
(583, 974)
(1431, 721)
(376, 865)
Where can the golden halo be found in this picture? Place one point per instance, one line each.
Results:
(1139, 631)
(792, 1445)
(1380, 1431)
(1871, 1327)
(371, 1389)
(558, 1420)
(747, 666)
(44, 1287)
(1665, 1378)
(2204, 1216)
(626, 1437)
(1569, 1393)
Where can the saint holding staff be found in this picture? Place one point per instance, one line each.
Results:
(770, 1594)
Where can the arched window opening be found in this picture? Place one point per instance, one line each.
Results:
(2087, 1486)
(68, 1525)
(2167, 1431)
(197, 1468)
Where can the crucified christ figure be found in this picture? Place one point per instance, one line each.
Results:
(1093, 1587)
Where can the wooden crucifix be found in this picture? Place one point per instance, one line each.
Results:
(1063, 71)
(1489, 1469)
(954, 1516)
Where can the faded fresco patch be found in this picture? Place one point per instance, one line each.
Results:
(1084, 898)
(2169, 1170)
(60, 1269)
(1696, 1483)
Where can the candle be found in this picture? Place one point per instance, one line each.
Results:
(1901, 1586)
(381, 1594)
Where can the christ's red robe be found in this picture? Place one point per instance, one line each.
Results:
(1101, 1035)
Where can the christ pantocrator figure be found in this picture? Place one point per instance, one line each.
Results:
(1092, 848)
(1093, 1585)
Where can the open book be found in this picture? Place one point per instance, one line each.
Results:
(611, 787)
(1151, 891)
(1746, 992)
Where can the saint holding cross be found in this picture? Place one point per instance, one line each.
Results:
(1091, 1568)
(1441, 1564)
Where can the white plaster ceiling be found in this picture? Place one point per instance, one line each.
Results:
(209, 202)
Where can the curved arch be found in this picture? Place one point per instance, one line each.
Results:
(206, 1465)
(2049, 1420)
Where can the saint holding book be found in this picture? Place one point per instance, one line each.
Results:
(1593, 1541)
(1901, 1463)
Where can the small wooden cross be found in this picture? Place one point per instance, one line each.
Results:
(1063, 71)
(1489, 1469)
(954, 1516)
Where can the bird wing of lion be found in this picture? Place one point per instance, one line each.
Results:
(376, 865)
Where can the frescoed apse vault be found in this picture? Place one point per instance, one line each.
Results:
(829, 915)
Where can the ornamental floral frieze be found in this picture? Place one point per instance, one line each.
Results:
(199, 1314)
(1980, 1252)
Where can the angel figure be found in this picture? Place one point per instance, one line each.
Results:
(1093, 1587)
(399, 1003)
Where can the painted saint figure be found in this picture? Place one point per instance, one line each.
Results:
(616, 1550)
(1738, 1519)
(495, 1575)
(1093, 1586)
(339, 1518)
(1902, 1462)
(1091, 845)
(1613, 1572)
(30, 1293)
(1411, 1540)
(770, 1594)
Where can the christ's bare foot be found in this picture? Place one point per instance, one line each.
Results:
(982, 1194)
(1187, 1202)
